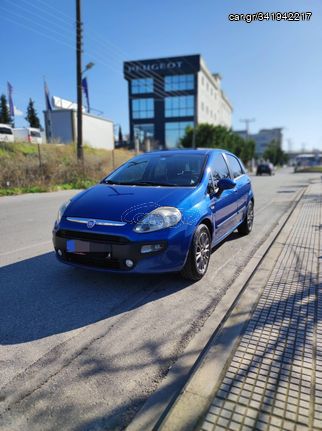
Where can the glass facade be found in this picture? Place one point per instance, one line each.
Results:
(143, 131)
(142, 108)
(140, 86)
(179, 106)
(179, 82)
(174, 131)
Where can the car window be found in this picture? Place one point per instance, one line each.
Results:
(35, 134)
(5, 131)
(133, 171)
(235, 167)
(219, 168)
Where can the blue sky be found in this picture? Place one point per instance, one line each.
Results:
(272, 71)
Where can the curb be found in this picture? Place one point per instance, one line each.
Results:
(163, 407)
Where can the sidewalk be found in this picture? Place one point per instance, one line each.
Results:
(273, 378)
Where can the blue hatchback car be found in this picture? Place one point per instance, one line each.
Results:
(159, 212)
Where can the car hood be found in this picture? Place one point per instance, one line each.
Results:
(124, 203)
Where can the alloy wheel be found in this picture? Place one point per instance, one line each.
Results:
(202, 252)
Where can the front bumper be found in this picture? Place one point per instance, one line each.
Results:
(122, 244)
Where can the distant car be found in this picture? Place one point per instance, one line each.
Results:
(6, 134)
(159, 212)
(265, 168)
(28, 134)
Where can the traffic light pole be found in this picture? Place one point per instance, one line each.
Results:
(80, 155)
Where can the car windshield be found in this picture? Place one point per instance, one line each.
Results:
(181, 170)
(5, 131)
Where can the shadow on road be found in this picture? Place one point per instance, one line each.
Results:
(41, 297)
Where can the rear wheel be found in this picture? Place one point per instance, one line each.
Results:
(199, 254)
(246, 227)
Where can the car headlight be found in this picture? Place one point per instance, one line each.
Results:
(61, 211)
(158, 219)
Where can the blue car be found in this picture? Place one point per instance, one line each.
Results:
(159, 212)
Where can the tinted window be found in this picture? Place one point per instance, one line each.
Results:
(179, 106)
(220, 168)
(143, 85)
(174, 132)
(174, 169)
(143, 108)
(179, 82)
(234, 166)
(35, 134)
(5, 131)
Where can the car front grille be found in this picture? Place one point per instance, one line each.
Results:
(91, 236)
(96, 260)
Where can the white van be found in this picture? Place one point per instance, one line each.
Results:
(6, 134)
(28, 134)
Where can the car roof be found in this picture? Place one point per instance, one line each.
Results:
(205, 151)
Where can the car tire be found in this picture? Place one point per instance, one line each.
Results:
(247, 225)
(199, 254)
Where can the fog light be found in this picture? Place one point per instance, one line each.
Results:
(60, 253)
(129, 263)
(150, 248)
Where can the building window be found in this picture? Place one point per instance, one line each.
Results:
(174, 132)
(144, 85)
(180, 106)
(179, 82)
(202, 80)
(143, 131)
(202, 106)
(142, 108)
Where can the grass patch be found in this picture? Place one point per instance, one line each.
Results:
(24, 170)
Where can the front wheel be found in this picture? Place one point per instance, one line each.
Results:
(199, 254)
(247, 225)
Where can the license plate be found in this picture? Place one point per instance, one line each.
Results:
(79, 246)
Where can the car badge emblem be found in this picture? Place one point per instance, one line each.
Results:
(91, 224)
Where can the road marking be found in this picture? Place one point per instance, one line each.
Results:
(25, 248)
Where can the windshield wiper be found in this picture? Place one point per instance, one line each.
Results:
(153, 183)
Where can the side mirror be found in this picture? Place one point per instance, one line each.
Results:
(226, 184)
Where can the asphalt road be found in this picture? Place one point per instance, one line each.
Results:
(81, 350)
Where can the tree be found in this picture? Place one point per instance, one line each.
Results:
(32, 116)
(275, 154)
(5, 116)
(209, 136)
(120, 135)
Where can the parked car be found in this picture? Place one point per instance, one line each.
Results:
(159, 212)
(265, 168)
(6, 134)
(28, 134)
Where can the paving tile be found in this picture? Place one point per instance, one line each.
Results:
(207, 426)
(274, 359)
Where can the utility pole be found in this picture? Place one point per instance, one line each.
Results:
(79, 29)
(195, 122)
(247, 121)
